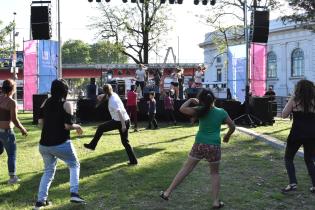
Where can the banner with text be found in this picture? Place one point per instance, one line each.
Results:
(47, 64)
(237, 71)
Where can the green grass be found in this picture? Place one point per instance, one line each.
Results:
(252, 174)
(280, 129)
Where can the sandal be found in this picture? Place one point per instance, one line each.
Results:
(312, 189)
(221, 205)
(163, 196)
(289, 188)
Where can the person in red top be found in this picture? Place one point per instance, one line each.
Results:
(132, 106)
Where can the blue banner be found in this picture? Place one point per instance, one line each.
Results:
(47, 64)
(237, 71)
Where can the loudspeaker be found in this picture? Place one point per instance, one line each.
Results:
(259, 30)
(41, 22)
(38, 100)
(262, 108)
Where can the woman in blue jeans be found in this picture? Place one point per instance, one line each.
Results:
(56, 122)
(8, 119)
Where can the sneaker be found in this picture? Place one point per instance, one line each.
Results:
(89, 146)
(289, 188)
(39, 204)
(14, 180)
(75, 198)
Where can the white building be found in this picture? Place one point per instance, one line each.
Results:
(291, 57)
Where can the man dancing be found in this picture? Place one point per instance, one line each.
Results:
(120, 121)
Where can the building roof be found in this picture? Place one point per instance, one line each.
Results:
(276, 25)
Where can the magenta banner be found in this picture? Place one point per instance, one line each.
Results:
(30, 73)
(258, 61)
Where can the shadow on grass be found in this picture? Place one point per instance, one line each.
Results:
(89, 167)
(168, 141)
(277, 131)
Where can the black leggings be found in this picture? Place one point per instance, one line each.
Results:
(115, 125)
(170, 115)
(152, 120)
(293, 146)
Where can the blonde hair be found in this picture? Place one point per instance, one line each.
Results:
(108, 89)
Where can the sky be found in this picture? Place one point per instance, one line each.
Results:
(76, 16)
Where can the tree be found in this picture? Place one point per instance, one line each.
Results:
(139, 27)
(107, 52)
(5, 43)
(226, 10)
(304, 12)
(75, 52)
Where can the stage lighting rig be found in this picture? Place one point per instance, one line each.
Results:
(172, 1)
(133, 1)
(179, 1)
(163, 1)
(90, 0)
(124, 1)
(196, 2)
(98, 1)
(212, 2)
(204, 2)
(141, 1)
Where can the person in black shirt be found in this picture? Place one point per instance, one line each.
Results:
(91, 89)
(271, 94)
(302, 106)
(56, 122)
(152, 111)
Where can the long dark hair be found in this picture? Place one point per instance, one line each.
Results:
(206, 99)
(59, 90)
(8, 86)
(304, 95)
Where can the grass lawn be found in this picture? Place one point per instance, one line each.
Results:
(252, 174)
(280, 129)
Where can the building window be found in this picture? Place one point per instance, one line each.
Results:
(271, 65)
(219, 75)
(297, 63)
(219, 60)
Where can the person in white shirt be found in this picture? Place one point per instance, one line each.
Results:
(198, 75)
(176, 75)
(140, 76)
(120, 121)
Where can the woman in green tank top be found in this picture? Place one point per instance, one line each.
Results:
(207, 141)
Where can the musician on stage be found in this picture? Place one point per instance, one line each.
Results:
(198, 75)
(141, 76)
(175, 81)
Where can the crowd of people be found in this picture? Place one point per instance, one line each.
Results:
(56, 121)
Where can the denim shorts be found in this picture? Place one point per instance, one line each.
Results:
(210, 152)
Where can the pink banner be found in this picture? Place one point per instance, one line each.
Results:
(30, 73)
(258, 60)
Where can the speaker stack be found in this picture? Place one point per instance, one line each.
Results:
(259, 30)
(41, 22)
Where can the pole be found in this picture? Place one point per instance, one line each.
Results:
(246, 42)
(14, 56)
(177, 50)
(59, 45)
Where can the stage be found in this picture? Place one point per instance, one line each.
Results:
(88, 112)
